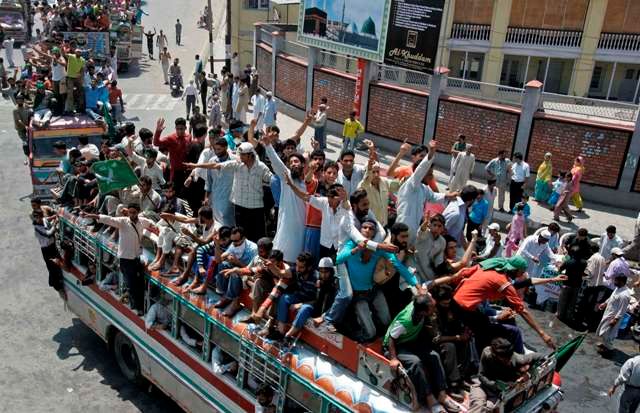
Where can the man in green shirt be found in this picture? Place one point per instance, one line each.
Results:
(407, 345)
(75, 72)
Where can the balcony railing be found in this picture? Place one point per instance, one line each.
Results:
(464, 31)
(619, 41)
(404, 77)
(543, 37)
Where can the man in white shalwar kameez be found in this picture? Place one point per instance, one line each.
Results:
(414, 193)
(462, 169)
(535, 249)
(292, 212)
(259, 106)
(614, 310)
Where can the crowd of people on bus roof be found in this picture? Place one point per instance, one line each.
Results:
(334, 244)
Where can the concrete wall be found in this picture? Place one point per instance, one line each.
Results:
(622, 16)
(604, 148)
(489, 128)
(549, 14)
(291, 71)
(386, 101)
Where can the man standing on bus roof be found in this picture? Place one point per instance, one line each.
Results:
(130, 230)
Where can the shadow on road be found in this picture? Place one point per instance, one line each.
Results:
(80, 342)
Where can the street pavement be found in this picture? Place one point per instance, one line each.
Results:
(52, 362)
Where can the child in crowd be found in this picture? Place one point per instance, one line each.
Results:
(558, 187)
(477, 214)
(517, 230)
(526, 212)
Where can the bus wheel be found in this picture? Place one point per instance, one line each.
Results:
(127, 357)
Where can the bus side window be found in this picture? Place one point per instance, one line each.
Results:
(191, 328)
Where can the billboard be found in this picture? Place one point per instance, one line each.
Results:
(354, 27)
(413, 33)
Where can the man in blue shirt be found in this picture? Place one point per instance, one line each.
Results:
(361, 265)
(95, 97)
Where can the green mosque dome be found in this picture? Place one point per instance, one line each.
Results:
(369, 27)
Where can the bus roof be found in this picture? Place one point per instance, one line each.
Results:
(69, 126)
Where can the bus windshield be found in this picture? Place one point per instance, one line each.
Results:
(42, 148)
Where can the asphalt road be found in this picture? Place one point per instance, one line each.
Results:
(52, 362)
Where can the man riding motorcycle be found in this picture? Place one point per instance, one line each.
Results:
(176, 73)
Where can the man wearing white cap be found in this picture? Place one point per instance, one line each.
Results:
(493, 248)
(535, 248)
(249, 176)
(619, 265)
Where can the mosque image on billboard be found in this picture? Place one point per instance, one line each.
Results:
(354, 23)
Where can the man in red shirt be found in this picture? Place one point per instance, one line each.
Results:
(177, 144)
(492, 281)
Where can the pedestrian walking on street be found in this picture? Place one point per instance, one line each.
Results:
(498, 169)
(178, 32)
(576, 173)
(162, 42)
(165, 62)
(8, 51)
(191, 93)
(543, 179)
(149, 37)
(203, 86)
(629, 377)
(519, 175)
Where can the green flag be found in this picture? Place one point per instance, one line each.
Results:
(114, 174)
(565, 352)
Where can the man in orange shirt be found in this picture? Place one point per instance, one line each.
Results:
(492, 281)
(418, 153)
(115, 99)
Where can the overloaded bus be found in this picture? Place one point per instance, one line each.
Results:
(43, 161)
(207, 362)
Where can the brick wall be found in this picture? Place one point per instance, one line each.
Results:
(383, 114)
(291, 82)
(487, 129)
(603, 149)
(263, 62)
(339, 90)
(636, 186)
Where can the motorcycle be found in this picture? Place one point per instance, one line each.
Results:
(175, 84)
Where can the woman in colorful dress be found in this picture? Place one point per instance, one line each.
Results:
(576, 172)
(543, 179)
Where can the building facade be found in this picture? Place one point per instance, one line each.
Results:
(585, 48)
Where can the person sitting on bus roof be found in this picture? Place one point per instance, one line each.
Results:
(69, 157)
(96, 98)
(90, 23)
(498, 364)
(208, 230)
(239, 254)
(281, 274)
(89, 151)
(43, 102)
(407, 344)
(326, 290)
(361, 263)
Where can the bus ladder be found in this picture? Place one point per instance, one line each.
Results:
(83, 244)
(263, 367)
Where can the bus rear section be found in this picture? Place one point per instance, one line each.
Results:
(44, 163)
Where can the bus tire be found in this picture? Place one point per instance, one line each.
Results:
(127, 358)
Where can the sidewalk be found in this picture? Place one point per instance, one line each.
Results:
(595, 217)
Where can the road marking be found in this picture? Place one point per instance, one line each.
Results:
(149, 101)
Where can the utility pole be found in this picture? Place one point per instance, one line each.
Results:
(227, 38)
(209, 18)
